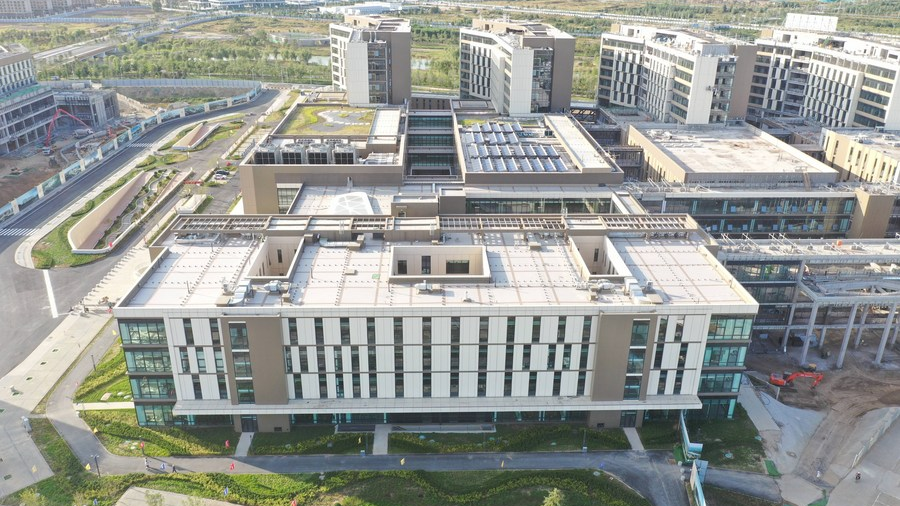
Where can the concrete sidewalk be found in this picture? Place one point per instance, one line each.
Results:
(634, 439)
(102, 406)
(137, 496)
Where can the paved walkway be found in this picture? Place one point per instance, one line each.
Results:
(752, 484)
(633, 438)
(243, 446)
(102, 406)
(380, 440)
(137, 496)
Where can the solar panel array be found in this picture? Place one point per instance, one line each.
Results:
(495, 147)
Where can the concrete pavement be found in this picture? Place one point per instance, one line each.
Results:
(752, 484)
(633, 438)
(137, 496)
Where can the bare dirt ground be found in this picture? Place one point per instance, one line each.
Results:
(844, 396)
(30, 167)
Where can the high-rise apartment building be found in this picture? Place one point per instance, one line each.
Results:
(521, 67)
(675, 76)
(26, 107)
(836, 80)
(370, 59)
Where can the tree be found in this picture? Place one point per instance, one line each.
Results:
(32, 498)
(156, 5)
(554, 498)
(154, 498)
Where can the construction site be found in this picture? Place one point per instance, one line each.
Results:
(825, 344)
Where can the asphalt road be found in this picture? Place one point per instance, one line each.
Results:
(24, 303)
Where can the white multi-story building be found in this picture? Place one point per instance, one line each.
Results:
(521, 67)
(32, 8)
(675, 76)
(26, 107)
(836, 80)
(370, 59)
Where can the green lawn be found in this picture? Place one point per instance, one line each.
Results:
(109, 377)
(175, 139)
(72, 483)
(513, 438)
(306, 120)
(224, 131)
(720, 497)
(119, 432)
(309, 440)
(736, 437)
(659, 434)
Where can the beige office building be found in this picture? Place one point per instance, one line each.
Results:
(675, 76)
(861, 154)
(522, 67)
(26, 107)
(271, 321)
(370, 59)
(35, 8)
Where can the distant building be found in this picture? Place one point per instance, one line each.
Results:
(863, 155)
(35, 8)
(836, 80)
(371, 59)
(26, 107)
(522, 67)
(360, 9)
(94, 107)
(675, 76)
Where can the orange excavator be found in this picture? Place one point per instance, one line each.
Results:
(787, 379)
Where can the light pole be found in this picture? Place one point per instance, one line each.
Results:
(93, 363)
(584, 440)
(97, 464)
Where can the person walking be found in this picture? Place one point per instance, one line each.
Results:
(858, 476)
(146, 464)
(173, 469)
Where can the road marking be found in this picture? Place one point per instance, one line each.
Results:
(53, 312)
(17, 231)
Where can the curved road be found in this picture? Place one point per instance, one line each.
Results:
(24, 303)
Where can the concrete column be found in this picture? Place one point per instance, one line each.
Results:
(229, 102)
(99, 154)
(115, 143)
(862, 322)
(809, 332)
(130, 135)
(206, 107)
(847, 331)
(15, 206)
(40, 190)
(81, 163)
(182, 113)
(896, 330)
(787, 330)
(62, 177)
(888, 325)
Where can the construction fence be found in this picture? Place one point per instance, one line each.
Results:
(28, 198)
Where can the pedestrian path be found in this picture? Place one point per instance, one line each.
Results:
(102, 406)
(380, 441)
(243, 446)
(634, 439)
(137, 496)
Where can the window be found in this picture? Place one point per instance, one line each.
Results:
(319, 331)
(373, 385)
(582, 381)
(142, 332)
(238, 333)
(370, 331)
(720, 382)
(288, 361)
(426, 264)
(532, 384)
(214, 331)
(201, 360)
(298, 387)
(454, 384)
(198, 388)
(457, 267)
(153, 388)
(220, 362)
(551, 357)
(426, 384)
(245, 392)
(586, 329)
(507, 384)
(242, 367)
(345, 331)
(293, 337)
(148, 361)
(510, 329)
(635, 361)
(483, 326)
(724, 356)
(223, 388)
(536, 330)
(401, 267)
(632, 388)
(729, 328)
(639, 332)
(454, 330)
(188, 331)
(185, 361)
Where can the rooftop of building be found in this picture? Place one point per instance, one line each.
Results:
(376, 22)
(518, 27)
(867, 252)
(887, 142)
(683, 39)
(515, 261)
(333, 119)
(856, 47)
(553, 143)
(739, 149)
(7, 50)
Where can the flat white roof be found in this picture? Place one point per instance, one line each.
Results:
(737, 149)
(335, 275)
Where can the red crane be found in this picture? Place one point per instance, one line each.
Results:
(788, 379)
(60, 110)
